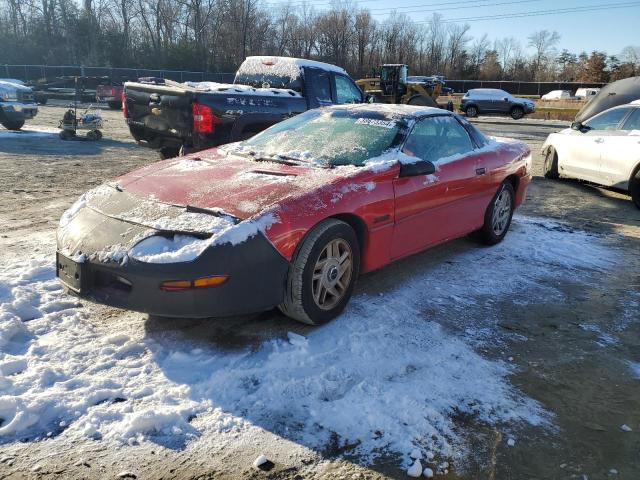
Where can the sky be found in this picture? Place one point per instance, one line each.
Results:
(610, 28)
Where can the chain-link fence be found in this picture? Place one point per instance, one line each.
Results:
(520, 88)
(45, 73)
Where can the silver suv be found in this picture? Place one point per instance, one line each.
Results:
(495, 101)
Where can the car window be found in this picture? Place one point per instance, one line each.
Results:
(437, 138)
(346, 91)
(608, 120)
(318, 85)
(633, 122)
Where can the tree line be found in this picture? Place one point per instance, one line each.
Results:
(216, 35)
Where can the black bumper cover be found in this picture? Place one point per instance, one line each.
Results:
(257, 275)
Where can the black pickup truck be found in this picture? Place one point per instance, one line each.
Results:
(179, 118)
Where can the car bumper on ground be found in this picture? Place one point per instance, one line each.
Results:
(256, 276)
(15, 111)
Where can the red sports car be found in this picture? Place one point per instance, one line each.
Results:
(292, 216)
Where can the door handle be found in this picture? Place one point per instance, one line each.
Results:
(599, 140)
(481, 171)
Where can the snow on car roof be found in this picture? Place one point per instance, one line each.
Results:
(407, 111)
(290, 66)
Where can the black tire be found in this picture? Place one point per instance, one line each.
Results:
(115, 105)
(299, 302)
(169, 152)
(12, 125)
(517, 113)
(634, 188)
(471, 111)
(551, 164)
(488, 234)
(422, 101)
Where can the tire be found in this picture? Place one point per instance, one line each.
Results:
(634, 188)
(517, 113)
(503, 200)
(115, 105)
(304, 295)
(471, 111)
(422, 101)
(169, 152)
(12, 125)
(551, 164)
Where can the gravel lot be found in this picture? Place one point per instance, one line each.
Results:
(567, 330)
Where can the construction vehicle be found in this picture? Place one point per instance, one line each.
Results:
(392, 86)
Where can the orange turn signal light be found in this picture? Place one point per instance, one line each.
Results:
(204, 282)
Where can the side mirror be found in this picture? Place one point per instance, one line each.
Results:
(579, 127)
(420, 167)
(370, 99)
(506, 99)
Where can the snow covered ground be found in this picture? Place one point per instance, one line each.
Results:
(385, 375)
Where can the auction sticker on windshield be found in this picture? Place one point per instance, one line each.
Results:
(376, 122)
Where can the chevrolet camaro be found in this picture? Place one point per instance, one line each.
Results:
(292, 216)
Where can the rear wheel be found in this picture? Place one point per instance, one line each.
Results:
(497, 218)
(16, 125)
(322, 273)
(551, 164)
(471, 111)
(517, 113)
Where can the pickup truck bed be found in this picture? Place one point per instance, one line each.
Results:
(186, 117)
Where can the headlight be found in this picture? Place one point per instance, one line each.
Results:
(10, 96)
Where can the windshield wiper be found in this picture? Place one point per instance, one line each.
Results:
(278, 159)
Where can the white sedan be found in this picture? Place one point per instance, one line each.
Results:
(604, 149)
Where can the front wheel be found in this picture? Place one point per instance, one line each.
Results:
(551, 164)
(322, 273)
(634, 188)
(422, 101)
(497, 218)
(517, 113)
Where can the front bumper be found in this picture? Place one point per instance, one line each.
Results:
(257, 274)
(16, 111)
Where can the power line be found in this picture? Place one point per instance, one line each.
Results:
(538, 13)
(466, 6)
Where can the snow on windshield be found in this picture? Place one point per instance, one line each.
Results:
(328, 138)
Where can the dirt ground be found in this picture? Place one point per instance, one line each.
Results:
(570, 355)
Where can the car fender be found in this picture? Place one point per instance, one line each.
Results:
(366, 198)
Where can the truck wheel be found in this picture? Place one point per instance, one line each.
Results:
(517, 113)
(169, 152)
(471, 111)
(12, 125)
(322, 273)
(422, 101)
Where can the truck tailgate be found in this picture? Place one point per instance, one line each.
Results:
(158, 111)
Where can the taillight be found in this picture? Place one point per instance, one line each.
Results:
(204, 121)
(125, 110)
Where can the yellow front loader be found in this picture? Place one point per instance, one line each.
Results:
(392, 86)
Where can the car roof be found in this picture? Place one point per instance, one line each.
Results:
(488, 90)
(392, 110)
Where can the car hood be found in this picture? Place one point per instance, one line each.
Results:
(218, 181)
(12, 87)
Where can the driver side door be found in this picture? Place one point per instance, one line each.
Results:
(430, 209)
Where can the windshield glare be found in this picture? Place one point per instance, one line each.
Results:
(328, 138)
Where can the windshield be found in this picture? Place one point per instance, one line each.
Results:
(328, 138)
